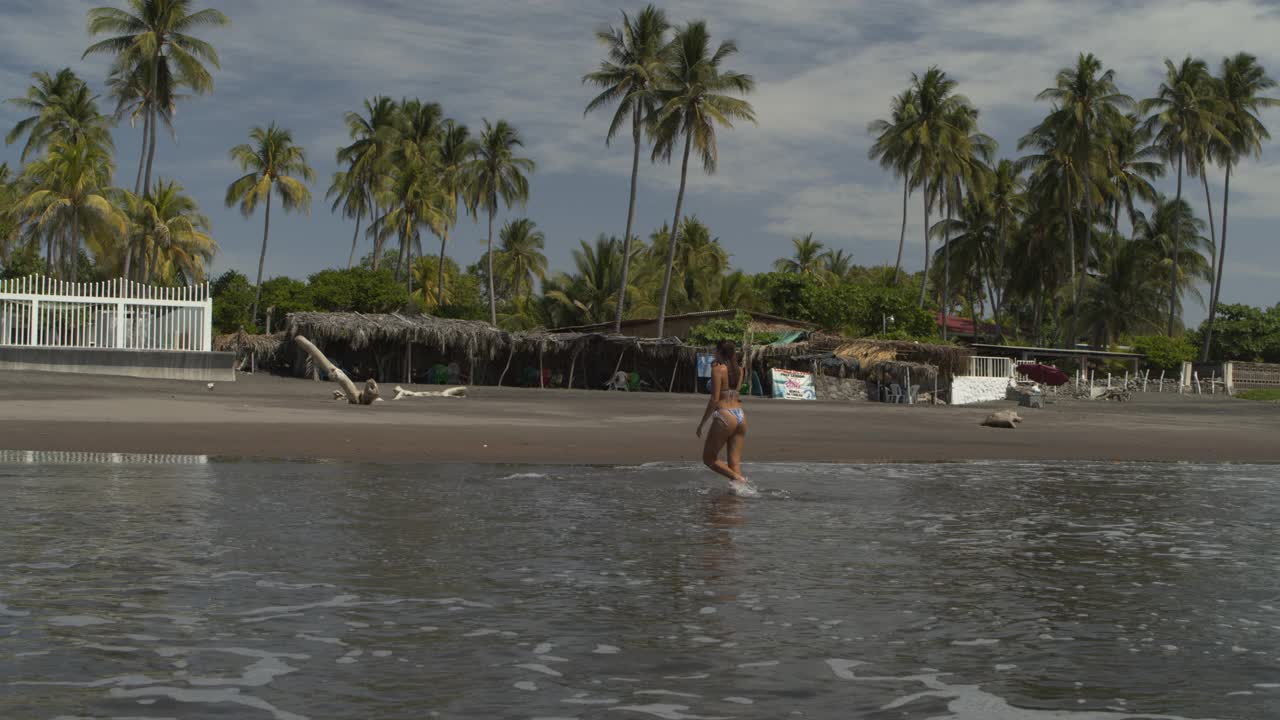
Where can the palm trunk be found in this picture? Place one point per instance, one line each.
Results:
(151, 152)
(128, 261)
(946, 271)
(444, 238)
(142, 155)
(74, 254)
(675, 235)
(408, 268)
(1071, 237)
(1213, 238)
(902, 236)
(48, 258)
(493, 298)
(1084, 268)
(631, 213)
(1222, 261)
(378, 239)
(924, 284)
(351, 259)
(262, 260)
(1177, 245)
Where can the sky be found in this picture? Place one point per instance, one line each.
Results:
(823, 68)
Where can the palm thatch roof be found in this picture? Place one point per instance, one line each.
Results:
(476, 339)
(358, 330)
(263, 347)
(949, 360)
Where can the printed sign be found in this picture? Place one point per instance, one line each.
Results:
(792, 385)
(704, 365)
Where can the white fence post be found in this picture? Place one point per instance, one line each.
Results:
(35, 323)
(79, 315)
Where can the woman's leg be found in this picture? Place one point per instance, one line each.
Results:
(736, 440)
(717, 437)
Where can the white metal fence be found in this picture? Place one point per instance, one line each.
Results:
(991, 367)
(38, 311)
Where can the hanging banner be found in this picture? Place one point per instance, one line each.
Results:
(705, 361)
(792, 385)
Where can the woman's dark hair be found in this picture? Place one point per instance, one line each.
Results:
(727, 350)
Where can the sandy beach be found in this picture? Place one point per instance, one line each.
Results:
(271, 417)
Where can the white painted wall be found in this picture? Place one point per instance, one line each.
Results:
(967, 390)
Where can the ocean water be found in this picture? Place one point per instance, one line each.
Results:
(182, 588)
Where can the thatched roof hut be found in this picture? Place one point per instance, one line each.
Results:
(358, 331)
(395, 346)
(262, 350)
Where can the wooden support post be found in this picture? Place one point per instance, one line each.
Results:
(541, 386)
(617, 368)
(672, 386)
(573, 361)
(503, 376)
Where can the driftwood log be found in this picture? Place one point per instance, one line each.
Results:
(368, 396)
(453, 392)
(1003, 419)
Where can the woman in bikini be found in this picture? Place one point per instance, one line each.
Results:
(729, 426)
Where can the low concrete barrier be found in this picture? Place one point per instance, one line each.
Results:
(153, 364)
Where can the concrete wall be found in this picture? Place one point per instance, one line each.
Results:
(833, 388)
(153, 364)
(966, 390)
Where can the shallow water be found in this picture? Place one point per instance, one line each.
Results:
(986, 592)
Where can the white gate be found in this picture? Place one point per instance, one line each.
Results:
(38, 311)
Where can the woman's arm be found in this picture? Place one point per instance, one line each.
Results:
(718, 374)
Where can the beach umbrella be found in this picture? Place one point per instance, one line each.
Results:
(1044, 374)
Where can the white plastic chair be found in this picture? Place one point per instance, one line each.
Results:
(894, 394)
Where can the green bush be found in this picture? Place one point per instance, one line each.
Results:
(283, 295)
(857, 309)
(232, 303)
(1165, 353)
(357, 290)
(1246, 333)
(735, 328)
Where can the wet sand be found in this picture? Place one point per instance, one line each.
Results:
(271, 417)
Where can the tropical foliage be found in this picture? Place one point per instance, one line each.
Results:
(1073, 237)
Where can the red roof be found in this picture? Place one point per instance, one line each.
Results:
(957, 325)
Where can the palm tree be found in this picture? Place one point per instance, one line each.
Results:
(1240, 86)
(1089, 106)
(896, 149)
(693, 101)
(960, 164)
(1125, 296)
(629, 77)
(933, 129)
(1008, 206)
(587, 296)
(129, 86)
(154, 36)
(70, 199)
(9, 222)
(455, 151)
(373, 134)
(413, 197)
(170, 235)
(1173, 223)
(351, 197)
(496, 173)
(63, 108)
(1132, 162)
(836, 266)
(1183, 113)
(520, 259)
(807, 259)
(271, 162)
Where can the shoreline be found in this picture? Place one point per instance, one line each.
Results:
(272, 418)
